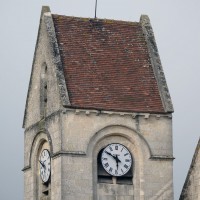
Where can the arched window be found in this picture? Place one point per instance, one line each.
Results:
(43, 162)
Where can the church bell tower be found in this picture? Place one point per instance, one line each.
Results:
(98, 116)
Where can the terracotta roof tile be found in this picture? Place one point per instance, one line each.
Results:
(107, 65)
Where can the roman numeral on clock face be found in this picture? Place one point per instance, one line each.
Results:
(106, 165)
(126, 166)
(110, 148)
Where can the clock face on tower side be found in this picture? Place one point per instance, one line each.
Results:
(45, 165)
(116, 159)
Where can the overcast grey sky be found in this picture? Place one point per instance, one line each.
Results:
(176, 25)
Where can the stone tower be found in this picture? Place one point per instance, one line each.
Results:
(191, 188)
(98, 117)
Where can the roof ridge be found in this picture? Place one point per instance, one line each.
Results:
(98, 19)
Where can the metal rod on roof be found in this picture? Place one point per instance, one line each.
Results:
(95, 10)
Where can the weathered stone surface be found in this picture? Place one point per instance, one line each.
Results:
(74, 138)
(191, 188)
(156, 63)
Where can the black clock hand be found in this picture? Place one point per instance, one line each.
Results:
(42, 164)
(109, 153)
(117, 165)
(114, 157)
(117, 161)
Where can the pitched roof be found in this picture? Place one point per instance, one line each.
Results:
(107, 65)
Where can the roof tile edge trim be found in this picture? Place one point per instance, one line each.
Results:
(156, 63)
(57, 59)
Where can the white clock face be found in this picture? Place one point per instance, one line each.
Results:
(116, 159)
(45, 165)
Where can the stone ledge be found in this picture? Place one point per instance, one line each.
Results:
(73, 153)
(163, 157)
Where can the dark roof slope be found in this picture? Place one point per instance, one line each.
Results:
(107, 65)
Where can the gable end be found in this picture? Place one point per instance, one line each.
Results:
(156, 63)
(46, 22)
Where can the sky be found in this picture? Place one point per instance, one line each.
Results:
(176, 25)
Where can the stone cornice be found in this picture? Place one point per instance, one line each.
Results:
(98, 112)
(104, 112)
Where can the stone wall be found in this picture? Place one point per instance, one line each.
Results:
(149, 139)
(76, 137)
